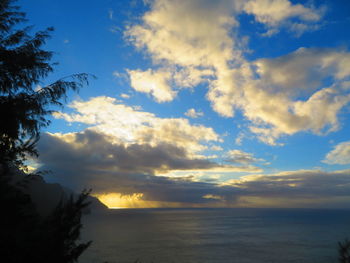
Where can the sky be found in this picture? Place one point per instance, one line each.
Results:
(200, 103)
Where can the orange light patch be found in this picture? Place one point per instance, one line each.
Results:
(135, 200)
(118, 200)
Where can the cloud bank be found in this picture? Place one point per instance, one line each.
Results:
(89, 159)
(157, 162)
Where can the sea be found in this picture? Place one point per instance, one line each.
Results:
(215, 235)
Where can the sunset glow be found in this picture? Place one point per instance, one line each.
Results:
(118, 201)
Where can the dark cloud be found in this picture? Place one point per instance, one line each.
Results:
(240, 157)
(90, 160)
(299, 184)
(93, 150)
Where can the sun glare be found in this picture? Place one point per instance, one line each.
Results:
(119, 201)
(135, 200)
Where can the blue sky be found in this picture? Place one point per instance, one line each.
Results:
(201, 103)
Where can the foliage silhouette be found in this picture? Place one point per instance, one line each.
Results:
(23, 103)
(344, 251)
(26, 236)
(64, 226)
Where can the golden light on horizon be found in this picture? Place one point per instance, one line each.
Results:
(135, 200)
(118, 200)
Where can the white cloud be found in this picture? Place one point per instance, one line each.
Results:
(277, 13)
(192, 113)
(189, 77)
(216, 148)
(278, 95)
(127, 150)
(122, 141)
(153, 82)
(289, 94)
(125, 96)
(197, 47)
(339, 155)
(272, 116)
(128, 124)
(198, 39)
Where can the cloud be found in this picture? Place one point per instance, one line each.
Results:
(273, 117)
(90, 148)
(163, 84)
(301, 91)
(303, 70)
(203, 32)
(278, 13)
(138, 141)
(278, 96)
(216, 148)
(301, 182)
(125, 96)
(130, 125)
(301, 188)
(240, 157)
(89, 159)
(127, 151)
(339, 155)
(197, 47)
(192, 113)
(275, 11)
(189, 77)
(210, 196)
(290, 95)
(155, 83)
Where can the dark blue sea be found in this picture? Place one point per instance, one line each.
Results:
(215, 235)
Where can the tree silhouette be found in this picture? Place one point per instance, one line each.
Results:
(24, 106)
(63, 227)
(23, 103)
(28, 237)
(344, 251)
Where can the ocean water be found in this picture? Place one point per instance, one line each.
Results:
(215, 235)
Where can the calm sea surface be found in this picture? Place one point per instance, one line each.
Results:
(215, 235)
